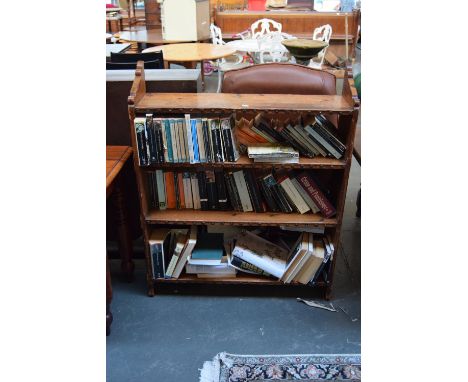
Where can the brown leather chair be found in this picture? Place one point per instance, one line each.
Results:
(278, 78)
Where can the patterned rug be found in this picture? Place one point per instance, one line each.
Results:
(301, 367)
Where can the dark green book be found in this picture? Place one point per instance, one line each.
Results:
(209, 249)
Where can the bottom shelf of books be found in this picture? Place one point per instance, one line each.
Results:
(241, 255)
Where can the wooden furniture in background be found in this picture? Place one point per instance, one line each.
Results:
(299, 24)
(192, 53)
(145, 36)
(116, 157)
(344, 106)
(152, 14)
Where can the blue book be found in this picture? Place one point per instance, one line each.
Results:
(209, 249)
(167, 130)
(196, 153)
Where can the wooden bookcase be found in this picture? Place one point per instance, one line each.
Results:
(345, 105)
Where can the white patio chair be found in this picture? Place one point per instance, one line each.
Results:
(271, 49)
(262, 27)
(322, 33)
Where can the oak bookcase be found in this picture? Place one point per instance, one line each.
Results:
(346, 106)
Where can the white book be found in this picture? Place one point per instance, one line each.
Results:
(161, 185)
(276, 160)
(210, 262)
(181, 239)
(261, 253)
(187, 190)
(312, 265)
(163, 131)
(306, 197)
(201, 141)
(294, 195)
(186, 252)
(174, 139)
(301, 139)
(222, 268)
(295, 258)
(307, 139)
(243, 191)
(189, 138)
(308, 249)
(195, 191)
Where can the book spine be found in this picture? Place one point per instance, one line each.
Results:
(216, 140)
(329, 130)
(234, 145)
(175, 140)
(294, 195)
(176, 190)
(243, 191)
(231, 192)
(225, 124)
(183, 141)
(330, 138)
(202, 189)
(221, 190)
(195, 191)
(305, 196)
(201, 140)
(140, 136)
(187, 190)
(180, 183)
(161, 189)
(316, 194)
(207, 140)
(162, 152)
(164, 139)
(210, 182)
(246, 267)
(322, 142)
(152, 153)
(254, 192)
(156, 259)
(265, 128)
(189, 137)
(278, 193)
(268, 196)
(167, 131)
(170, 190)
(196, 149)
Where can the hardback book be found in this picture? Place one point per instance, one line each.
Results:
(221, 270)
(243, 191)
(313, 263)
(295, 256)
(161, 186)
(254, 191)
(195, 191)
(221, 190)
(261, 253)
(308, 149)
(225, 127)
(294, 196)
(201, 140)
(305, 196)
(311, 143)
(268, 196)
(209, 249)
(202, 190)
(170, 190)
(310, 186)
(278, 193)
(140, 136)
(300, 259)
(157, 238)
(188, 138)
(181, 190)
(183, 140)
(329, 250)
(153, 189)
(180, 241)
(246, 267)
(196, 146)
(174, 140)
(211, 190)
(269, 151)
(312, 130)
(232, 191)
(328, 131)
(187, 190)
(276, 160)
(159, 139)
(186, 252)
(216, 139)
(151, 140)
(207, 140)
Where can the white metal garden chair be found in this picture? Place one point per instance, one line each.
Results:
(322, 33)
(271, 48)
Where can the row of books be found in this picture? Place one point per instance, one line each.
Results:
(244, 190)
(310, 138)
(292, 257)
(184, 140)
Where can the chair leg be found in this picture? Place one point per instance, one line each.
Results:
(220, 79)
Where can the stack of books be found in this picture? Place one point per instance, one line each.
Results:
(317, 138)
(272, 153)
(244, 190)
(185, 140)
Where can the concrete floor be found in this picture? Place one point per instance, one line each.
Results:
(168, 337)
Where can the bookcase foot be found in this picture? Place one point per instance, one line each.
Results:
(151, 291)
(328, 293)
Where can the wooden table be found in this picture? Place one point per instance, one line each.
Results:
(116, 48)
(116, 157)
(192, 53)
(146, 36)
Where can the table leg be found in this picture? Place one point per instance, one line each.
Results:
(109, 317)
(202, 75)
(125, 238)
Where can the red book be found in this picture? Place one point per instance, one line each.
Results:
(317, 196)
(170, 190)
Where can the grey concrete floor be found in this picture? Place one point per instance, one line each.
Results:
(168, 337)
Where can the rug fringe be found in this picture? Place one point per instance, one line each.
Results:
(211, 369)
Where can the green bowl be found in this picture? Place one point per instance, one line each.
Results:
(304, 48)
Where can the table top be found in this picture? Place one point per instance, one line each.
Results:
(148, 36)
(116, 156)
(248, 45)
(116, 48)
(192, 51)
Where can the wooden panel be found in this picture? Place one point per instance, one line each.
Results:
(241, 278)
(219, 102)
(245, 162)
(190, 216)
(152, 14)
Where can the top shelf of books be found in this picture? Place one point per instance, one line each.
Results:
(223, 102)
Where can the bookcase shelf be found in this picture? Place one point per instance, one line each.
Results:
(345, 106)
(245, 162)
(198, 217)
